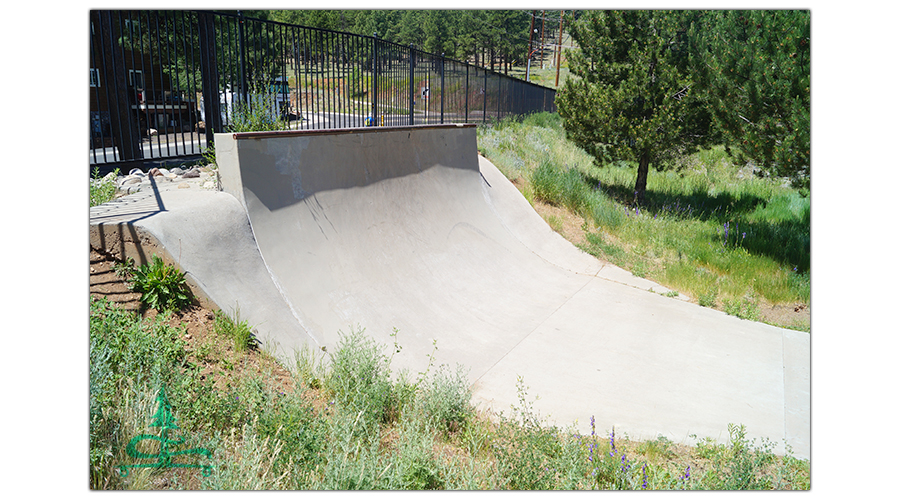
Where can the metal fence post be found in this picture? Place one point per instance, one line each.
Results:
(125, 130)
(484, 99)
(412, 76)
(209, 76)
(241, 49)
(442, 87)
(467, 93)
(375, 78)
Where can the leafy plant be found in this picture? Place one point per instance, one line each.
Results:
(162, 287)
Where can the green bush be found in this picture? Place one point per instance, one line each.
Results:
(360, 379)
(162, 287)
(256, 115)
(445, 399)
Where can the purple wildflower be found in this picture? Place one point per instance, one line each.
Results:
(644, 472)
(612, 442)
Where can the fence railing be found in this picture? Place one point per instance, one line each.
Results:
(162, 82)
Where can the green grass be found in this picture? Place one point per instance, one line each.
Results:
(235, 329)
(709, 229)
(360, 425)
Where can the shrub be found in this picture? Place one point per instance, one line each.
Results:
(258, 114)
(445, 399)
(360, 378)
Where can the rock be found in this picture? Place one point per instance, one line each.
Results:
(191, 174)
(131, 179)
(209, 185)
(155, 172)
(136, 171)
(164, 171)
(184, 185)
(177, 171)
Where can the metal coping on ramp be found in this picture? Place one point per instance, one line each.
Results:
(339, 131)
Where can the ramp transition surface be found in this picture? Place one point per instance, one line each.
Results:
(409, 229)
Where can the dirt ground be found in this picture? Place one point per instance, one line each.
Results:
(205, 347)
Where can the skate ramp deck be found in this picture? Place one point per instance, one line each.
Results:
(408, 229)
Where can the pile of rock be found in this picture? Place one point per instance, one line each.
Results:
(137, 179)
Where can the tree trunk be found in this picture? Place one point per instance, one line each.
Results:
(640, 185)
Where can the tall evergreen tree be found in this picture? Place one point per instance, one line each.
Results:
(634, 98)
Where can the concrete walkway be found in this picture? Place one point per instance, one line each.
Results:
(407, 228)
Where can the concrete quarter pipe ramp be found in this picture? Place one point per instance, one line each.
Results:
(409, 228)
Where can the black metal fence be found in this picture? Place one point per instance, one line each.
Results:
(162, 82)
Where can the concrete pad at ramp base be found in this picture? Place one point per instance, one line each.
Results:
(408, 229)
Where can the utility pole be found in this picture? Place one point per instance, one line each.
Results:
(530, 37)
(559, 46)
(542, 39)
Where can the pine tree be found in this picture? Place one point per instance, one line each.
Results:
(755, 65)
(635, 97)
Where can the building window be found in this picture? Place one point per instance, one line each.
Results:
(136, 78)
(95, 77)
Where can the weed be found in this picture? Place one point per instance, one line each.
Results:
(259, 113)
(209, 155)
(555, 223)
(235, 329)
(360, 379)
(102, 189)
(744, 308)
(708, 298)
(738, 465)
(445, 398)
(658, 449)
(639, 269)
(162, 287)
(308, 369)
